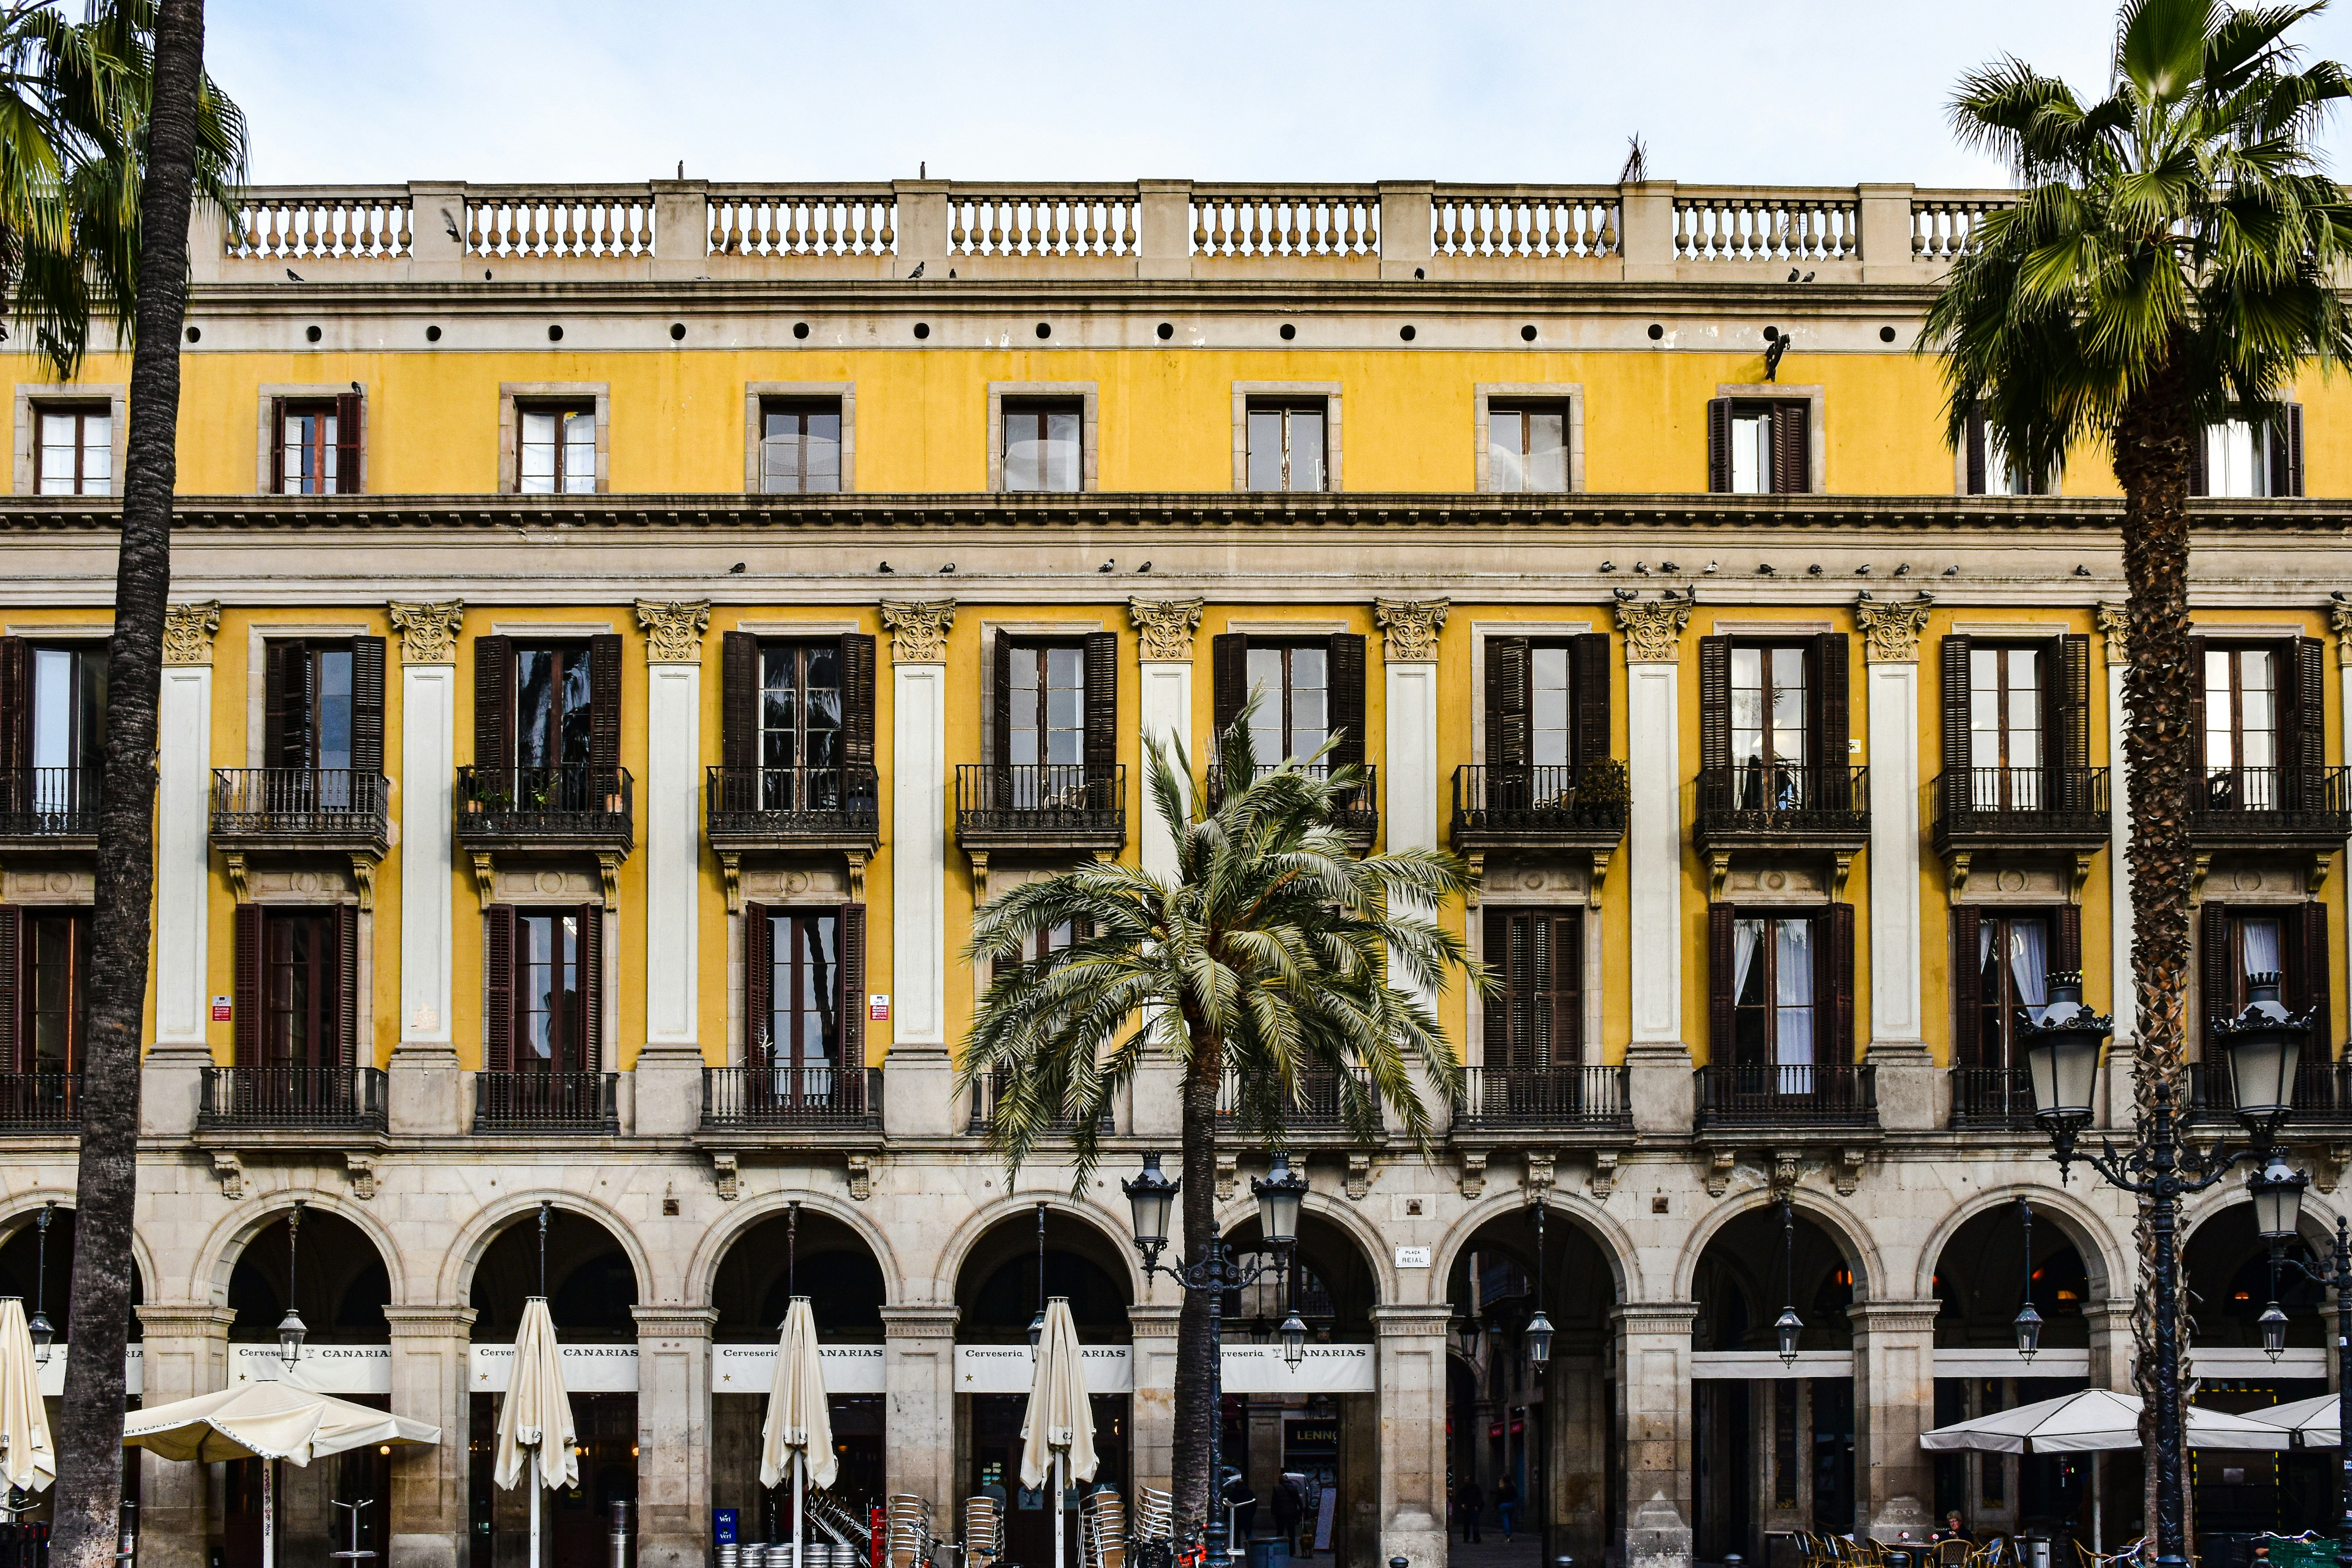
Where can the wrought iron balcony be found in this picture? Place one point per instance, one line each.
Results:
(785, 1097)
(1537, 807)
(50, 808)
(301, 808)
(1587, 1096)
(1041, 807)
(1358, 812)
(312, 1099)
(2287, 808)
(1316, 1110)
(1781, 1096)
(570, 807)
(2021, 808)
(987, 1092)
(547, 1102)
(45, 1101)
(782, 808)
(1783, 806)
(1992, 1100)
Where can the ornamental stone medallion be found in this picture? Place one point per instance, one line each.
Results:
(674, 629)
(1653, 630)
(1409, 627)
(188, 632)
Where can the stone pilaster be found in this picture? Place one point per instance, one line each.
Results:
(1164, 650)
(669, 1070)
(183, 1353)
(425, 1087)
(673, 1436)
(1153, 1328)
(2115, 621)
(1658, 1057)
(921, 1075)
(1906, 1076)
(431, 1347)
(1409, 765)
(1412, 1360)
(918, 1344)
(184, 787)
(1893, 1403)
(1654, 1405)
(2110, 1322)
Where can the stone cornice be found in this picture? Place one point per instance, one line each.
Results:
(675, 1322)
(920, 1322)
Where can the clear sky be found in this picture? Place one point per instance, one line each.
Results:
(1769, 91)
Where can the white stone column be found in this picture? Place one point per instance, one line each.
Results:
(1409, 758)
(1653, 1406)
(1410, 1343)
(1658, 1056)
(673, 1436)
(1902, 1071)
(919, 1069)
(2340, 617)
(2123, 999)
(431, 1354)
(918, 1369)
(424, 1084)
(669, 1068)
(184, 787)
(1163, 647)
(1893, 1403)
(1152, 1421)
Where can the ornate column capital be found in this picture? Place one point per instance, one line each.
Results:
(919, 629)
(188, 632)
(2115, 620)
(2340, 617)
(428, 632)
(1890, 632)
(1409, 627)
(1653, 628)
(674, 629)
(1164, 626)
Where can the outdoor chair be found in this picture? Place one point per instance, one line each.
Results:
(984, 1530)
(1953, 1553)
(1102, 1529)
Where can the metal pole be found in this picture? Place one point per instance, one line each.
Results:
(535, 1489)
(2343, 1283)
(800, 1498)
(268, 1514)
(1053, 1508)
(2171, 1547)
(1219, 1536)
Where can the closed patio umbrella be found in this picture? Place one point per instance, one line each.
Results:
(26, 1458)
(1057, 1430)
(536, 1417)
(798, 1435)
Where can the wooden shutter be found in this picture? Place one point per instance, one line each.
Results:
(2310, 957)
(1720, 1044)
(285, 709)
(1830, 726)
(1589, 669)
(1000, 711)
(1228, 682)
(246, 987)
(759, 983)
(494, 704)
(1967, 986)
(1976, 450)
(16, 1038)
(1567, 988)
(1715, 708)
(2070, 721)
(1494, 948)
(853, 995)
(2286, 451)
(15, 718)
(1958, 757)
(1718, 444)
(1839, 951)
(1346, 674)
(1507, 701)
(1793, 450)
(605, 709)
(2218, 987)
(277, 446)
(2197, 435)
(1101, 707)
(2066, 940)
(2196, 719)
(347, 987)
(591, 985)
(347, 443)
(857, 676)
(2304, 711)
(498, 999)
(738, 705)
(367, 707)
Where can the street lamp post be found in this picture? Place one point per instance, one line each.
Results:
(1152, 1197)
(2278, 1204)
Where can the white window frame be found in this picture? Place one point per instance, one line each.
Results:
(1089, 399)
(755, 392)
(1487, 394)
(511, 393)
(30, 398)
(1290, 391)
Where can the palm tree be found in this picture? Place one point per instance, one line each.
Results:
(1267, 958)
(2168, 263)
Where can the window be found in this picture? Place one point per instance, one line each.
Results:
(1768, 715)
(2250, 457)
(1055, 731)
(1772, 725)
(800, 726)
(2290, 940)
(1992, 471)
(1547, 716)
(800, 447)
(74, 455)
(797, 723)
(1043, 447)
(1309, 691)
(69, 711)
(1291, 685)
(557, 454)
(1047, 705)
(1286, 446)
(1526, 447)
(553, 699)
(307, 440)
(805, 983)
(1760, 446)
(2005, 727)
(547, 725)
(803, 1021)
(1536, 1023)
(301, 990)
(1775, 1020)
(56, 997)
(2242, 739)
(552, 1032)
(2014, 958)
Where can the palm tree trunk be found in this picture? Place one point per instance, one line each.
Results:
(2151, 460)
(90, 1433)
(1195, 1413)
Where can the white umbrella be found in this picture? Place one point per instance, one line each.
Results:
(1057, 1430)
(800, 1426)
(26, 1458)
(537, 1416)
(2311, 1423)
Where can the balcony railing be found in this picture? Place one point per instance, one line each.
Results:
(787, 1097)
(987, 1092)
(547, 1102)
(568, 805)
(315, 1097)
(1536, 806)
(1783, 802)
(2273, 803)
(1999, 1098)
(45, 1101)
(1041, 805)
(2020, 806)
(2323, 1094)
(1316, 1107)
(49, 803)
(1356, 813)
(1824, 1096)
(1591, 1097)
(297, 804)
(787, 805)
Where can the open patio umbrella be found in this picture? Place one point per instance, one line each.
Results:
(1057, 1430)
(26, 1458)
(799, 1433)
(2311, 1423)
(537, 1416)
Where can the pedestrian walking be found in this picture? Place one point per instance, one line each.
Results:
(1506, 1505)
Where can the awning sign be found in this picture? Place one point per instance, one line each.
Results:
(326, 1369)
(587, 1369)
(52, 1377)
(1324, 1369)
(1007, 1369)
(751, 1369)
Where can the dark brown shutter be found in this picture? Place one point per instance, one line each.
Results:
(604, 708)
(1506, 703)
(15, 720)
(1792, 451)
(246, 987)
(1839, 951)
(1101, 707)
(1496, 949)
(1715, 707)
(1228, 681)
(1720, 1036)
(1589, 669)
(2289, 451)
(2312, 952)
(853, 993)
(2070, 721)
(2066, 940)
(591, 987)
(1976, 445)
(494, 703)
(2196, 719)
(1567, 988)
(2305, 716)
(347, 443)
(1967, 986)
(347, 988)
(1001, 743)
(16, 1037)
(1832, 726)
(285, 681)
(857, 677)
(367, 707)
(2219, 987)
(277, 446)
(499, 1001)
(2196, 438)
(759, 983)
(1958, 757)
(1346, 709)
(1718, 444)
(739, 704)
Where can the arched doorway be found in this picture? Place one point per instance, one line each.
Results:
(999, 1290)
(1772, 1442)
(1545, 1442)
(591, 1287)
(813, 1254)
(43, 1279)
(339, 1287)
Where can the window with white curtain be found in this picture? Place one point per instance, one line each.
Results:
(2237, 459)
(1775, 1016)
(2013, 967)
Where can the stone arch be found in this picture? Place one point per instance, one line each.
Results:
(454, 1283)
(226, 1242)
(1596, 1222)
(2102, 1253)
(143, 1257)
(958, 1249)
(710, 1251)
(1345, 1216)
(1841, 1224)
